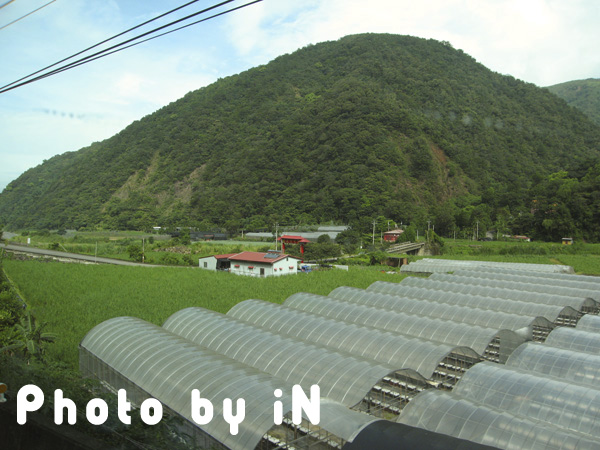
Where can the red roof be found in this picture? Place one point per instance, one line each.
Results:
(288, 237)
(226, 256)
(259, 257)
(397, 231)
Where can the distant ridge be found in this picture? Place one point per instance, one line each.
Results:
(582, 94)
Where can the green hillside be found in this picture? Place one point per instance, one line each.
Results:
(582, 94)
(370, 125)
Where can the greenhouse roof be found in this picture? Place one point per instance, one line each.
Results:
(451, 414)
(426, 328)
(529, 394)
(340, 376)
(577, 367)
(452, 293)
(434, 306)
(384, 347)
(168, 367)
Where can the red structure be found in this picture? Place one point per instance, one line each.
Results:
(287, 239)
(392, 236)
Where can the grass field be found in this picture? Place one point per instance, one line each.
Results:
(73, 298)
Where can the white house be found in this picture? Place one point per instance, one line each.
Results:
(255, 264)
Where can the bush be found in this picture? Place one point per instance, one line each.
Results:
(135, 252)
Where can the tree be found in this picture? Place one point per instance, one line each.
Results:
(29, 338)
(135, 252)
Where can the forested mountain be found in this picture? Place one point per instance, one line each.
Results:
(370, 125)
(582, 94)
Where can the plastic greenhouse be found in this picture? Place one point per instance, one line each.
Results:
(575, 339)
(589, 322)
(430, 265)
(149, 361)
(438, 362)
(451, 414)
(578, 367)
(516, 285)
(350, 380)
(493, 344)
(451, 294)
(528, 394)
(582, 305)
(592, 289)
(532, 327)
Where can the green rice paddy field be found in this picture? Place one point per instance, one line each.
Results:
(73, 298)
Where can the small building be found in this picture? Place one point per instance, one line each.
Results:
(289, 239)
(392, 235)
(255, 264)
(522, 238)
(567, 241)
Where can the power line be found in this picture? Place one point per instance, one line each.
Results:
(115, 48)
(111, 50)
(90, 58)
(6, 4)
(122, 46)
(26, 15)
(102, 42)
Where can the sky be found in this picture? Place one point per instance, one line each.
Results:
(544, 42)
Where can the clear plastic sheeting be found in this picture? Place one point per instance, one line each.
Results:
(493, 344)
(575, 339)
(589, 323)
(592, 289)
(578, 367)
(457, 277)
(340, 376)
(450, 414)
(424, 357)
(436, 291)
(555, 276)
(529, 394)
(437, 308)
(579, 304)
(429, 265)
(168, 368)
(149, 361)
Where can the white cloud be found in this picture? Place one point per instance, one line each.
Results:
(540, 41)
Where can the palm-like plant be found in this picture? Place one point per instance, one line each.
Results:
(29, 338)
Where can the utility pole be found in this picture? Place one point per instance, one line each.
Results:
(276, 232)
(374, 223)
(143, 250)
(477, 235)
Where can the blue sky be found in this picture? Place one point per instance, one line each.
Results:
(539, 41)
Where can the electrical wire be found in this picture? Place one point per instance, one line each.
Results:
(116, 48)
(141, 42)
(26, 15)
(103, 42)
(6, 4)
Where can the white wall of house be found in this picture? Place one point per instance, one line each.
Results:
(208, 263)
(286, 266)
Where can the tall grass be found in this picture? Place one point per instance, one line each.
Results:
(73, 298)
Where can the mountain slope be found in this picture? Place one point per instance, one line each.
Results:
(368, 125)
(582, 94)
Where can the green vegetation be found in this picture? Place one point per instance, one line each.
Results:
(131, 245)
(73, 298)
(582, 94)
(368, 126)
